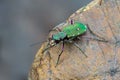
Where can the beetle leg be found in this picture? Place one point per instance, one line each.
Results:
(56, 29)
(89, 38)
(93, 32)
(71, 21)
(37, 43)
(75, 44)
(101, 38)
(48, 47)
(100, 2)
(60, 54)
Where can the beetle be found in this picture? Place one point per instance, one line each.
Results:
(68, 34)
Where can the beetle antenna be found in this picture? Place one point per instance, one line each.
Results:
(37, 43)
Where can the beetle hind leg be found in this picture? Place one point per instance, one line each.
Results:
(75, 44)
(99, 38)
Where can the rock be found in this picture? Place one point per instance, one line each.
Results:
(102, 61)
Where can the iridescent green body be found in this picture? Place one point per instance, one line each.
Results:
(70, 31)
(75, 29)
(59, 36)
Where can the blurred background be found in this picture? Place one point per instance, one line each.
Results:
(24, 22)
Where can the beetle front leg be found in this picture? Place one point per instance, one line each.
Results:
(60, 54)
(76, 45)
(56, 29)
(48, 47)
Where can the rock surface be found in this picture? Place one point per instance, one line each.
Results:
(102, 63)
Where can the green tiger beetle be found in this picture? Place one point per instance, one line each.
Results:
(68, 34)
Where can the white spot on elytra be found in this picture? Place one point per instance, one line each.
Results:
(78, 29)
(85, 26)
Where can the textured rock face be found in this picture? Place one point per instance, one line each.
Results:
(102, 63)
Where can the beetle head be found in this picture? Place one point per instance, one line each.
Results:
(51, 40)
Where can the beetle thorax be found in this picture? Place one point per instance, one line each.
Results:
(59, 36)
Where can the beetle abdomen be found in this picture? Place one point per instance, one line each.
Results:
(75, 29)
